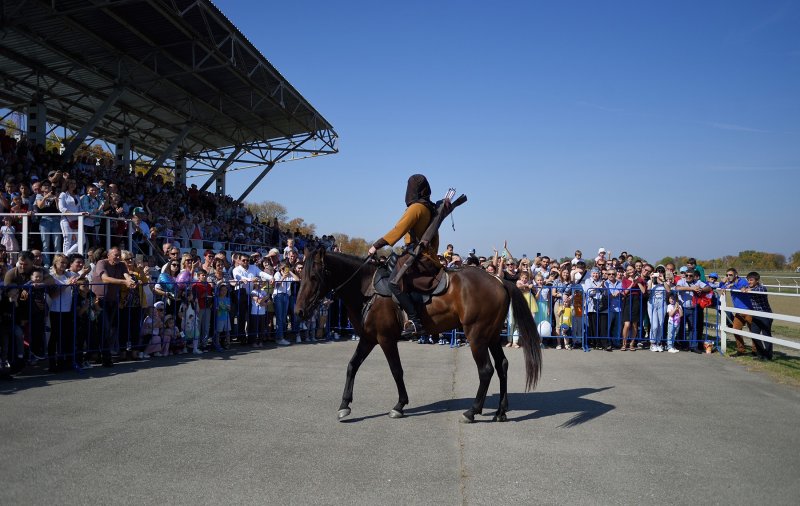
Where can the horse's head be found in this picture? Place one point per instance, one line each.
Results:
(313, 282)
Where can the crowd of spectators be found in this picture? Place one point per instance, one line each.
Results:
(624, 302)
(162, 297)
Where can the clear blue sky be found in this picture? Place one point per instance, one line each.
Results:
(568, 124)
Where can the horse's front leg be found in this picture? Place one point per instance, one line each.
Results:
(389, 347)
(363, 349)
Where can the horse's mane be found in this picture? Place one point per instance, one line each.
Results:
(350, 261)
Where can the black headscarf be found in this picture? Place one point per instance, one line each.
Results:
(419, 190)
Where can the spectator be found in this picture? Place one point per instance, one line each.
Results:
(760, 324)
(222, 317)
(132, 304)
(167, 288)
(601, 257)
(204, 295)
(152, 325)
(674, 318)
(283, 279)
(9, 237)
(257, 324)
(578, 257)
(91, 204)
(109, 275)
(694, 318)
(68, 203)
(49, 223)
(701, 272)
(597, 308)
(61, 345)
(633, 289)
(741, 300)
(659, 288)
(614, 291)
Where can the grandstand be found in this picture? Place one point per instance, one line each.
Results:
(168, 83)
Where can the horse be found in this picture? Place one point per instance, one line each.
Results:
(475, 301)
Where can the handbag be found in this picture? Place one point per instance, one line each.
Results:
(704, 300)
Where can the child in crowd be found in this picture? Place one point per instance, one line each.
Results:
(223, 321)
(563, 319)
(170, 338)
(674, 314)
(190, 322)
(257, 326)
(9, 238)
(31, 311)
(204, 296)
(152, 326)
(87, 313)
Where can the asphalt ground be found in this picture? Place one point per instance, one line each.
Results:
(259, 427)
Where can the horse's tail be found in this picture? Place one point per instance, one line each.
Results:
(529, 335)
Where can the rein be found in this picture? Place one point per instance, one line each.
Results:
(365, 262)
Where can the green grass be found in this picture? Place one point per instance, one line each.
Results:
(783, 368)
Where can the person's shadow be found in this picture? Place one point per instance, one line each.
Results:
(530, 406)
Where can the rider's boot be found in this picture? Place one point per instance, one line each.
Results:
(413, 326)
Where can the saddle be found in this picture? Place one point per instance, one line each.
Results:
(380, 286)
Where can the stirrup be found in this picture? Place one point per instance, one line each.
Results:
(412, 329)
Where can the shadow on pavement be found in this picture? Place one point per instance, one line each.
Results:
(535, 405)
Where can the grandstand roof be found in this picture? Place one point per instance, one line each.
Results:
(162, 65)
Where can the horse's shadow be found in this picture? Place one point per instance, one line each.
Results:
(530, 406)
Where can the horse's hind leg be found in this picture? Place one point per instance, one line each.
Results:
(501, 364)
(389, 347)
(485, 372)
(363, 349)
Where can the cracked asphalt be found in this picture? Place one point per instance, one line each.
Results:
(259, 427)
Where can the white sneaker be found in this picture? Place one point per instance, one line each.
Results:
(283, 342)
(653, 347)
(144, 355)
(673, 350)
(660, 348)
(197, 352)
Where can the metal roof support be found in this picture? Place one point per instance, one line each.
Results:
(255, 182)
(168, 152)
(221, 169)
(269, 168)
(92, 123)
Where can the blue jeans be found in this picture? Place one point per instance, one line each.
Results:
(281, 302)
(52, 237)
(656, 310)
(672, 331)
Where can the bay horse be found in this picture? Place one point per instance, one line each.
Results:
(475, 300)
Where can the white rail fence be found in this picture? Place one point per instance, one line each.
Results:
(725, 329)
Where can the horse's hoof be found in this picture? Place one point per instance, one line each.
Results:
(500, 418)
(343, 413)
(396, 414)
(467, 418)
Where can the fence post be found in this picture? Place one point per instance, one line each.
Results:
(25, 230)
(81, 235)
(130, 236)
(108, 234)
(722, 323)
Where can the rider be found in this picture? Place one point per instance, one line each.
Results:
(415, 220)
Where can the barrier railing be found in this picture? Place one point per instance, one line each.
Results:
(726, 329)
(81, 324)
(54, 230)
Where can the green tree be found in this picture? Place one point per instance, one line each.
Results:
(794, 260)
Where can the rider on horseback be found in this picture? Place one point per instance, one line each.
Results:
(411, 226)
